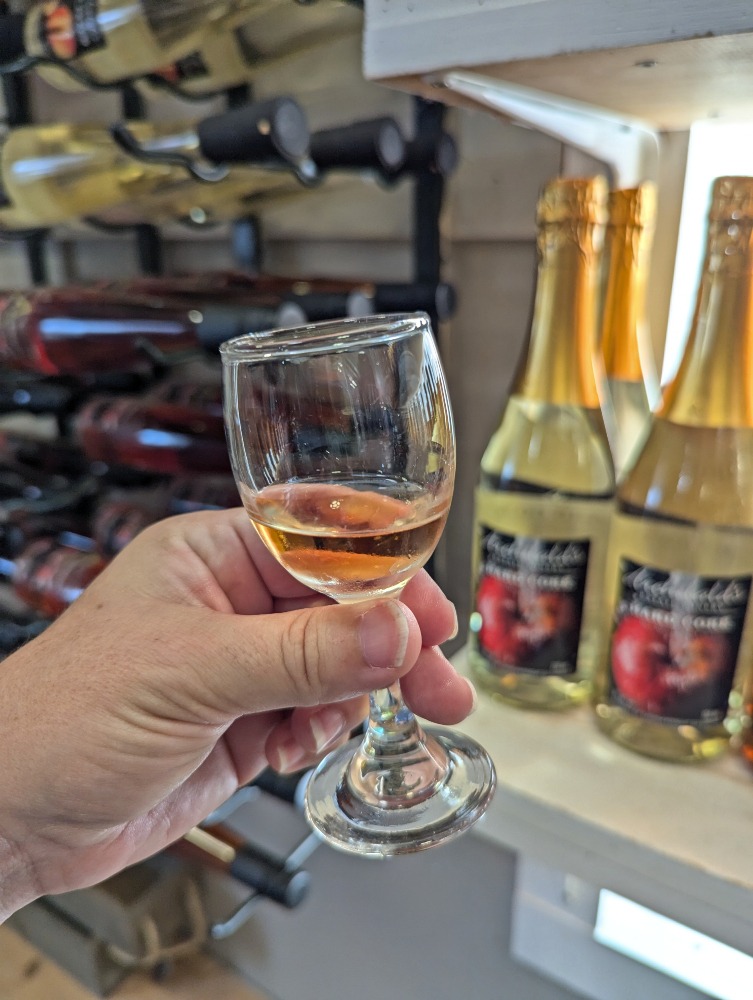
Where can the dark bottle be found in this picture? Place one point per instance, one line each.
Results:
(153, 436)
(223, 850)
(59, 332)
(16, 631)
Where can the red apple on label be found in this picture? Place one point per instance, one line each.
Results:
(500, 634)
(640, 656)
(546, 614)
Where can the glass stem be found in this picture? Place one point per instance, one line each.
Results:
(397, 763)
(391, 722)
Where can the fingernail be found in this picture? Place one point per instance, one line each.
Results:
(456, 627)
(384, 634)
(474, 695)
(326, 726)
(291, 755)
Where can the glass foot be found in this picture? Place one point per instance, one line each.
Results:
(379, 806)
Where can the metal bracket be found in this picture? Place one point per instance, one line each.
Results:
(224, 928)
(628, 145)
(128, 142)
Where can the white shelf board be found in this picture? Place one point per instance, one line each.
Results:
(676, 838)
(670, 63)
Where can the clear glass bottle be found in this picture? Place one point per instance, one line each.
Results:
(547, 479)
(52, 174)
(680, 558)
(632, 380)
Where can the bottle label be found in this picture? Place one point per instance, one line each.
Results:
(675, 643)
(70, 28)
(529, 602)
(191, 67)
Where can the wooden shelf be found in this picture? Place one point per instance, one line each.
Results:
(676, 838)
(667, 63)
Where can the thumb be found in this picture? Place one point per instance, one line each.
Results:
(307, 657)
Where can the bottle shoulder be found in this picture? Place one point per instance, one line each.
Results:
(543, 446)
(701, 475)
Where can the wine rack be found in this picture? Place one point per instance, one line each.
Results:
(112, 431)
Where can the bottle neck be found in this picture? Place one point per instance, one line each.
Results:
(558, 366)
(714, 384)
(624, 324)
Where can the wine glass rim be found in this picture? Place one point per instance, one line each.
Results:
(324, 337)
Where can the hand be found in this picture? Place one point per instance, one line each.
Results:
(192, 663)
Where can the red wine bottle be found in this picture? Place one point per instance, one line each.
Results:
(153, 436)
(52, 572)
(58, 332)
(121, 515)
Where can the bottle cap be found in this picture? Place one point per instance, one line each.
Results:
(564, 198)
(731, 199)
(376, 143)
(634, 207)
(217, 323)
(256, 133)
(12, 40)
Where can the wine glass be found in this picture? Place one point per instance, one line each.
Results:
(342, 444)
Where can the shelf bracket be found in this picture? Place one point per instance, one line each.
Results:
(629, 146)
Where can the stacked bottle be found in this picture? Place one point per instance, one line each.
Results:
(680, 561)
(632, 381)
(547, 479)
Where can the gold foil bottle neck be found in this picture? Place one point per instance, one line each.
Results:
(731, 199)
(633, 208)
(567, 199)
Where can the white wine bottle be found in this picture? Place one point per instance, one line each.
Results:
(52, 174)
(226, 60)
(107, 41)
(547, 479)
(681, 547)
(632, 380)
(359, 152)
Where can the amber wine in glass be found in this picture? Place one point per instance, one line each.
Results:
(342, 443)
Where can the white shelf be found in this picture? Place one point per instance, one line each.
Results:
(669, 62)
(676, 838)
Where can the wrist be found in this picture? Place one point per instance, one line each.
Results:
(17, 879)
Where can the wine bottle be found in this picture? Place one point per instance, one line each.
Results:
(366, 151)
(319, 298)
(632, 381)
(547, 479)
(226, 59)
(107, 41)
(56, 173)
(52, 572)
(122, 514)
(222, 849)
(40, 479)
(16, 632)
(152, 436)
(681, 546)
(56, 331)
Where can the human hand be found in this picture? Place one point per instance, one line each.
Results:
(192, 663)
